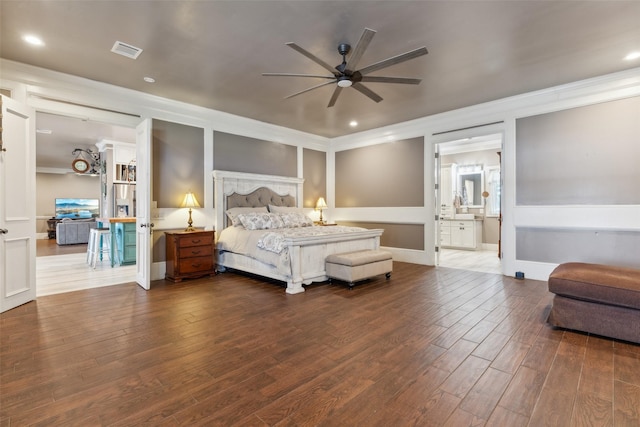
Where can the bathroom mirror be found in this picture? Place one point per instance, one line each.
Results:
(470, 188)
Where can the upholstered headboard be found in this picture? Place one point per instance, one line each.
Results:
(263, 196)
(238, 189)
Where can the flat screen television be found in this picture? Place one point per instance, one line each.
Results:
(76, 208)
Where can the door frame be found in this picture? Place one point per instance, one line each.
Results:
(464, 137)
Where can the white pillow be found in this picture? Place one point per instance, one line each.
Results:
(285, 209)
(260, 221)
(233, 213)
(295, 219)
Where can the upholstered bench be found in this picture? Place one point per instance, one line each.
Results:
(600, 299)
(354, 266)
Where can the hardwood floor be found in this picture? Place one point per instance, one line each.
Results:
(49, 247)
(430, 346)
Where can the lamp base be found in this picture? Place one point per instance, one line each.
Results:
(190, 223)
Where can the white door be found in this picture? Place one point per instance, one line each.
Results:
(144, 227)
(17, 204)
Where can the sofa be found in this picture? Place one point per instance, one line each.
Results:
(598, 299)
(74, 231)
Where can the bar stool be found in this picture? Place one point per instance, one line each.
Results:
(100, 244)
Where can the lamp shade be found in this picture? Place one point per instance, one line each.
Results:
(190, 201)
(321, 204)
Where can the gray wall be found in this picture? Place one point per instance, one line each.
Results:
(407, 236)
(178, 153)
(383, 175)
(243, 154)
(581, 156)
(587, 155)
(314, 166)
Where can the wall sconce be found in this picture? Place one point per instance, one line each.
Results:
(190, 201)
(80, 164)
(320, 206)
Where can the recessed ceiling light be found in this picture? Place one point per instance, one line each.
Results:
(149, 80)
(44, 131)
(353, 123)
(632, 56)
(33, 40)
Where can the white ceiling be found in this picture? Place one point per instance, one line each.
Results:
(212, 53)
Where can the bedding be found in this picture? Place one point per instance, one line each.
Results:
(269, 246)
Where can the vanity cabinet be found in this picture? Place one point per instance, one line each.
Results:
(461, 234)
(189, 254)
(445, 232)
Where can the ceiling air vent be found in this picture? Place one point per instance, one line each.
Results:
(126, 50)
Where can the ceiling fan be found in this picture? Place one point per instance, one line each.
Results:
(346, 74)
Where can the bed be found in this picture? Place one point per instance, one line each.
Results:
(292, 255)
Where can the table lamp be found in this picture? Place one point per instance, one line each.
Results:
(190, 201)
(320, 206)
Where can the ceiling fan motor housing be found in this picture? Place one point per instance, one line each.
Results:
(344, 48)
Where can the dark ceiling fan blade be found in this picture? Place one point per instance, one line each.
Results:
(380, 79)
(366, 91)
(299, 75)
(334, 97)
(308, 89)
(312, 57)
(361, 46)
(394, 60)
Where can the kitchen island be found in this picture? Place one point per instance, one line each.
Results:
(123, 239)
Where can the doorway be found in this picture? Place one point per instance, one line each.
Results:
(469, 209)
(63, 268)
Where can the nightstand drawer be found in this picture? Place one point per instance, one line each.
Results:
(195, 251)
(196, 264)
(200, 240)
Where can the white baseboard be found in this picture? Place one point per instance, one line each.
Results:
(158, 269)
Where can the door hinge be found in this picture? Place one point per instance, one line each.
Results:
(437, 186)
(437, 155)
(437, 217)
(437, 249)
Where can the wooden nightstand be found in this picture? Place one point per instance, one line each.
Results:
(189, 255)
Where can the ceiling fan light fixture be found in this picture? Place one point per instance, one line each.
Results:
(344, 81)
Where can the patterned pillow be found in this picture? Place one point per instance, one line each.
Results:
(296, 219)
(260, 221)
(233, 213)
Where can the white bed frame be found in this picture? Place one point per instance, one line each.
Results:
(307, 253)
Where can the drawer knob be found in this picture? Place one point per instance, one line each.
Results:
(195, 241)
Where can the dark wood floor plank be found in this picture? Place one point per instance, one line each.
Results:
(430, 346)
(627, 404)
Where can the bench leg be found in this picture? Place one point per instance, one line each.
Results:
(388, 275)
